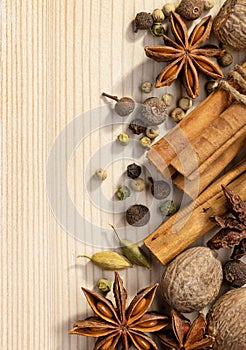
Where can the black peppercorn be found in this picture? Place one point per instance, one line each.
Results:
(137, 126)
(143, 20)
(235, 273)
(133, 170)
(160, 189)
(137, 215)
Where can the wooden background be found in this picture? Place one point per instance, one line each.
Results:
(57, 56)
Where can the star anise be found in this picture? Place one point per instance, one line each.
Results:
(185, 55)
(184, 335)
(126, 324)
(232, 228)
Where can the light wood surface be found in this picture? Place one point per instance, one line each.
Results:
(57, 56)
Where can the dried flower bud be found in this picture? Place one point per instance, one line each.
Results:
(158, 29)
(123, 192)
(133, 170)
(143, 20)
(178, 114)
(208, 4)
(190, 9)
(158, 15)
(185, 103)
(124, 106)
(211, 86)
(104, 286)
(168, 208)
(152, 132)
(168, 99)
(160, 189)
(138, 184)
(137, 126)
(137, 215)
(154, 111)
(108, 260)
(225, 60)
(123, 139)
(101, 174)
(235, 273)
(146, 87)
(145, 142)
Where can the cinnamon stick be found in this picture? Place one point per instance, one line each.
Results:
(216, 138)
(191, 222)
(193, 187)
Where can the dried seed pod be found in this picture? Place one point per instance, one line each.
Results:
(235, 273)
(192, 280)
(152, 132)
(132, 251)
(185, 103)
(168, 208)
(123, 139)
(211, 86)
(123, 192)
(208, 4)
(133, 170)
(154, 111)
(177, 114)
(146, 87)
(160, 189)
(145, 142)
(229, 24)
(138, 184)
(137, 215)
(101, 174)
(137, 126)
(158, 15)
(227, 320)
(104, 286)
(108, 260)
(124, 106)
(143, 21)
(190, 9)
(158, 29)
(168, 99)
(225, 60)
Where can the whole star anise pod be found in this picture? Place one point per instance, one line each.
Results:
(185, 55)
(113, 324)
(232, 228)
(186, 336)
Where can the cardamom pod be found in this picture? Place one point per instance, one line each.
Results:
(133, 252)
(108, 260)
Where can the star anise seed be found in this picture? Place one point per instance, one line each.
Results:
(115, 324)
(185, 55)
(185, 335)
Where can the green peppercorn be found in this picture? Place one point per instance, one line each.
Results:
(168, 99)
(168, 208)
(123, 139)
(158, 15)
(123, 192)
(104, 286)
(152, 132)
(138, 184)
(145, 142)
(208, 4)
(146, 87)
(101, 174)
(178, 114)
(158, 29)
(185, 103)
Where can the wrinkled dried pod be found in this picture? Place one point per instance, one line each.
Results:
(230, 24)
(192, 280)
(227, 320)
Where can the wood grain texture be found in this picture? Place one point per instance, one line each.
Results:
(57, 56)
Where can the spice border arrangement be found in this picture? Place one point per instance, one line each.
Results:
(173, 236)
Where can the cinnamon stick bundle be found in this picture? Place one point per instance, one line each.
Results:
(191, 222)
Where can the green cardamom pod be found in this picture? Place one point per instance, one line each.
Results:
(108, 260)
(132, 251)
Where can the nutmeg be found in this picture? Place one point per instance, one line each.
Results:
(227, 320)
(192, 280)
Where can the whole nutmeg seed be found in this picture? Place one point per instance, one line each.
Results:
(192, 280)
(227, 321)
(190, 9)
(143, 21)
(124, 106)
(154, 111)
(137, 215)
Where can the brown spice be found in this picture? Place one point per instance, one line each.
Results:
(235, 273)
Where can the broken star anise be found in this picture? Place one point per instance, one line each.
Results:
(185, 55)
(232, 228)
(126, 324)
(185, 335)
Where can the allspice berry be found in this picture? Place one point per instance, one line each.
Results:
(190, 9)
(192, 280)
(137, 215)
(133, 170)
(235, 273)
(154, 111)
(143, 21)
(160, 189)
(124, 106)
(137, 126)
